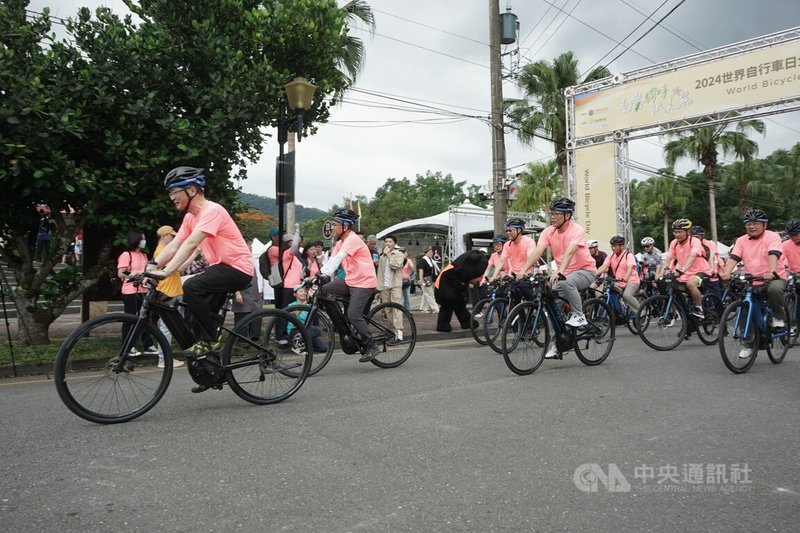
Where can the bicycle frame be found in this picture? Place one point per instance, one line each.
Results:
(757, 309)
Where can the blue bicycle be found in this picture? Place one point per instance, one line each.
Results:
(484, 316)
(622, 311)
(744, 329)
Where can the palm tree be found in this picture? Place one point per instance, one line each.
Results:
(539, 183)
(352, 56)
(543, 107)
(661, 197)
(702, 145)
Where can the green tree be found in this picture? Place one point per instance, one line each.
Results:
(352, 55)
(660, 198)
(543, 109)
(703, 145)
(89, 125)
(539, 184)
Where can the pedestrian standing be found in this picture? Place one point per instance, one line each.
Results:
(428, 271)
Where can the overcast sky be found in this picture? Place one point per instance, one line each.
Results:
(435, 53)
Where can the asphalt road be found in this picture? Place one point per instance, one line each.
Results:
(450, 441)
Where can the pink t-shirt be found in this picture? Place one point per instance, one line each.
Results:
(493, 259)
(681, 252)
(791, 255)
(619, 264)
(754, 253)
(559, 241)
(134, 261)
(713, 250)
(357, 264)
(516, 253)
(407, 270)
(223, 242)
(292, 270)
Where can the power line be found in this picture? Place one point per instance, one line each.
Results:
(522, 42)
(674, 31)
(430, 27)
(544, 31)
(558, 27)
(648, 31)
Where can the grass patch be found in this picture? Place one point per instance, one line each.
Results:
(24, 354)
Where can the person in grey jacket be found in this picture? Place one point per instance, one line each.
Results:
(390, 279)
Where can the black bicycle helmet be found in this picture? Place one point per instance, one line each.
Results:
(345, 216)
(562, 205)
(793, 226)
(499, 238)
(697, 230)
(755, 215)
(682, 223)
(515, 222)
(182, 176)
(617, 239)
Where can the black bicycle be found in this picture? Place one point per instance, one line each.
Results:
(324, 318)
(664, 321)
(527, 334)
(99, 378)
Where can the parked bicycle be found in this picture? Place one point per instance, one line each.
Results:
(664, 321)
(745, 329)
(325, 318)
(532, 325)
(99, 379)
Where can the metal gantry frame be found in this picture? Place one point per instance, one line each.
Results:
(620, 138)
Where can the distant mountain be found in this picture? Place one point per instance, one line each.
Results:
(269, 206)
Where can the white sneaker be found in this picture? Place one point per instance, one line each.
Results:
(777, 323)
(150, 350)
(175, 363)
(134, 353)
(577, 321)
(399, 335)
(552, 352)
(479, 315)
(746, 353)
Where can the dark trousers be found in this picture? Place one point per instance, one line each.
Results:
(131, 304)
(205, 293)
(359, 300)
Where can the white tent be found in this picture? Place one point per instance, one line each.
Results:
(457, 222)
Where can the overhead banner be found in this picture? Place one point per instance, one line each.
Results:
(761, 76)
(596, 191)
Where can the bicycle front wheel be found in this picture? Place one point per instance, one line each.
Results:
(738, 337)
(524, 338)
(661, 323)
(476, 320)
(493, 319)
(323, 337)
(708, 326)
(99, 379)
(594, 342)
(394, 330)
(780, 340)
(792, 315)
(261, 371)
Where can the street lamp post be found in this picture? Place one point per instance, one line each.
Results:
(299, 95)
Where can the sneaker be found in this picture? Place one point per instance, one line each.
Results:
(552, 352)
(746, 353)
(372, 352)
(479, 315)
(175, 363)
(282, 342)
(777, 323)
(197, 389)
(150, 350)
(134, 353)
(577, 321)
(399, 335)
(197, 349)
(697, 312)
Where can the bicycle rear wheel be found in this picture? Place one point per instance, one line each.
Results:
(708, 326)
(99, 381)
(476, 320)
(493, 319)
(260, 371)
(780, 340)
(323, 337)
(738, 338)
(396, 347)
(792, 315)
(524, 338)
(662, 323)
(594, 342)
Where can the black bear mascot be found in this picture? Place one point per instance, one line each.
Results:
(452, 285)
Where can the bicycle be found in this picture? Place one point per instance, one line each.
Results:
(744, 330)
(526, 333)
(613, 299)
(483, 311)
(330, 317)
(99, 379)
(664, 321)
(792, 304)
(497, 311)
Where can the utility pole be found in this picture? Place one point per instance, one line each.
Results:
(498, 140)
(290, 206)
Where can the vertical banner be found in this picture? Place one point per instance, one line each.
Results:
(595, 189)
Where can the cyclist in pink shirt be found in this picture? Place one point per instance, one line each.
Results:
(760, 252)
(497, 243)
(790, 248)
(686, 257)
(622, 265)
(360, 280)
(575, 266)
(208, 225)
(515, 250)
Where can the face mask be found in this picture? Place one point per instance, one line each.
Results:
(143, 244)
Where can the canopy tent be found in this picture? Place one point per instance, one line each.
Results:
(459, 223)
